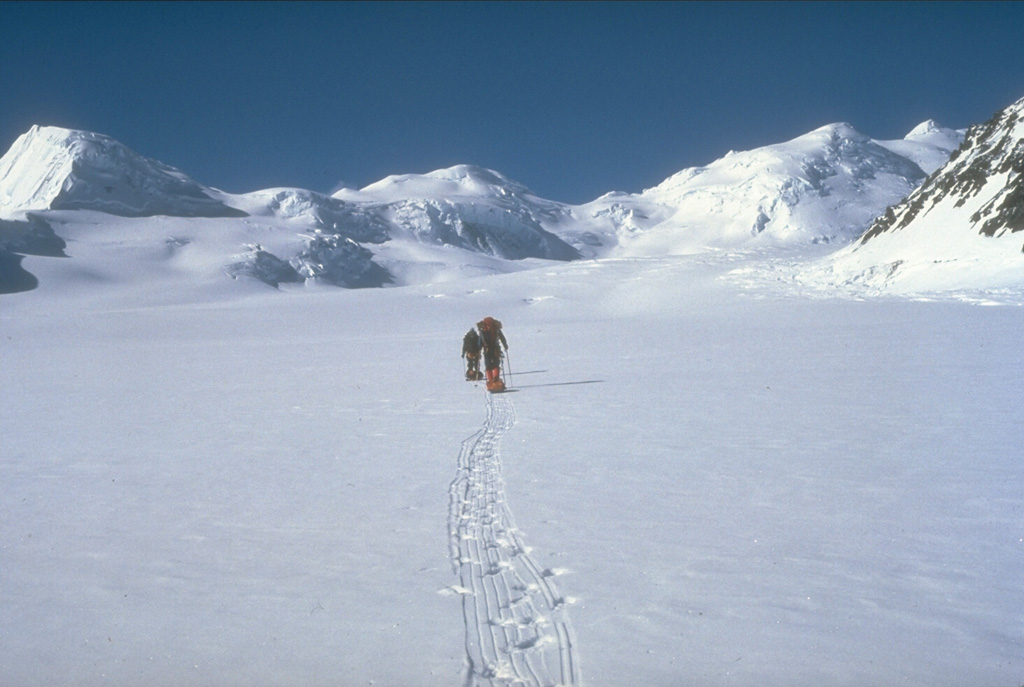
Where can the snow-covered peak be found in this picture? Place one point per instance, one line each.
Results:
(472, 177)
(925, 128)
(826, 185)
(835, 131)
(53, 168)
(835, 149)
(928, 144)
(457, 181)
(468, 207)
(986, 173)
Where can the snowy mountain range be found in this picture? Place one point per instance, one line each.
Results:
(825, 187)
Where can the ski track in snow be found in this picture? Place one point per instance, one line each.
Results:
(517, 626)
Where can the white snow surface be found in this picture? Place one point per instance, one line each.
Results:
(696, 480)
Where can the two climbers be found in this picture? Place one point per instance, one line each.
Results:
(489, 340)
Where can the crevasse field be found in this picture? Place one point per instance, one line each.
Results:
(698, 480)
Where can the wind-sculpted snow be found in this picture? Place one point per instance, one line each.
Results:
(60, 169)
(517, 625)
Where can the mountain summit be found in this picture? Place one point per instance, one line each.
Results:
(823, 187)
(460, 180)
(49, 168)
(467, 207)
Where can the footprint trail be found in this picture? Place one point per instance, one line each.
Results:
(517, 626)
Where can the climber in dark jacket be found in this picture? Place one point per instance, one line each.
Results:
(471, 352)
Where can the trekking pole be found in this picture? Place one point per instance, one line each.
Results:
(508, 363)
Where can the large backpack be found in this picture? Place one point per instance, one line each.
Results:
(489, 328)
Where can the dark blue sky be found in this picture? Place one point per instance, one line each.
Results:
(573, 100)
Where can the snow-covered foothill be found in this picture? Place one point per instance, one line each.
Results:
(317, 238)
(31, 235)
(28, 236)
(308, 210)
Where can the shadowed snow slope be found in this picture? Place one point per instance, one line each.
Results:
(60, 169)
(959, 229)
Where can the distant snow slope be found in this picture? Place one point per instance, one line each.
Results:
(49, 168)
(959, 229)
